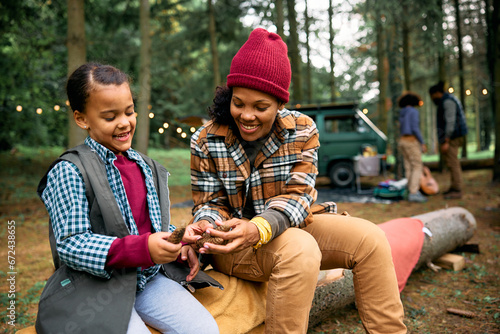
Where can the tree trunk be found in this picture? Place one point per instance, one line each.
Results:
(495, 86)
(330, 40)
(450, 229)
(142, 133)
(381, 74)
(293, 51)
(396, 88)
(308, 49)
(440, 34)
(77, 55)
(491, 44)
(460, 66)
(280, 18)
(406, 49)
(213, 44)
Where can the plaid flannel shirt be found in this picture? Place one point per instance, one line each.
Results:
(283, 176)
(66, 202)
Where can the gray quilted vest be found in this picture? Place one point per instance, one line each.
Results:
(78, 302)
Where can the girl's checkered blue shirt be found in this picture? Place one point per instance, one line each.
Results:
(66, 202)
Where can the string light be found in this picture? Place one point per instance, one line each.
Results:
(19, 108)
(365, 111)
(161, 130)
(57, 107)
(39, 111)
(179, 130)
(192, 129)
(468, 92)
(151, 115)
(165, 125)
(183, 135)
(485, 91)
(451, 90)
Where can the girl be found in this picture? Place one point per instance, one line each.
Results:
(253, 167)
(108, 207)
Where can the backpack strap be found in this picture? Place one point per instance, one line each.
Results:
(160, 180)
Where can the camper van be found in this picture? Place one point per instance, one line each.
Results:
(347, 138)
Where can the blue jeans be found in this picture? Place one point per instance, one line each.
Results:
(168, 307)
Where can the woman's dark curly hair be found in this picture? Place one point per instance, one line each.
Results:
(409, 99)
(220, 111)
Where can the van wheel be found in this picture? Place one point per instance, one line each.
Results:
(342, 174)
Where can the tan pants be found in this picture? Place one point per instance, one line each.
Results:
(453, 163)
(291, 264)
(411, 149)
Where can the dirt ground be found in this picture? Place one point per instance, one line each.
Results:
(426, 296)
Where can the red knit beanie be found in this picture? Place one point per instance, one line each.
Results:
(262, 64)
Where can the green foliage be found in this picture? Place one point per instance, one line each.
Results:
(32, 50)
(23, 302)
(177, 162)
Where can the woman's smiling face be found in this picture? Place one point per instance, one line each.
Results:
(254, 112)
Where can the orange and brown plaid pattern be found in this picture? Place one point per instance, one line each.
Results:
(282, 178)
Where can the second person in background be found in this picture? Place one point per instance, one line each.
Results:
(411, 144)
(254, 167)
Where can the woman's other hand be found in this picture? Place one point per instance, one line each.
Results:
(243, 234)
(195, 230)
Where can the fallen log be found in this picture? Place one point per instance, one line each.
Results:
(466, 164)
(450, 228)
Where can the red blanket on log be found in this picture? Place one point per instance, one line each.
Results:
(406, 238)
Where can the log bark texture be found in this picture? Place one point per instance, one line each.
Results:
(450, 228)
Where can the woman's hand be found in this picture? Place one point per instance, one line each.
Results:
(444, 147)
(195, 230)
(243, 234)
(191, 257)
(160, 250)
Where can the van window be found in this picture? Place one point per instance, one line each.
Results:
(337, 124)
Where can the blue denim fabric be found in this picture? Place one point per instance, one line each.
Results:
(168, 307)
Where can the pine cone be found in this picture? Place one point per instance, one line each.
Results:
(205, 237)
(176, 236)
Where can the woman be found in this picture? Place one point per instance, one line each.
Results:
(254, 168)
(411, 144)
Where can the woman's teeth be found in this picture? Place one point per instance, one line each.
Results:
(249, 127)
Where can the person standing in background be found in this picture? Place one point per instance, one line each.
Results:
(451, 128)
(411, 144)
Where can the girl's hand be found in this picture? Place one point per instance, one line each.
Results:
(243, 234)
(191, 257)
(160, 250)
(195, 230)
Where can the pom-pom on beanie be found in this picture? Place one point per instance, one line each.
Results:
(262, 64)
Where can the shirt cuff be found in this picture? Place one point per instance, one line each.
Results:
(129, 252)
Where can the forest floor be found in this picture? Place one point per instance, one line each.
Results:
(426, 296)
